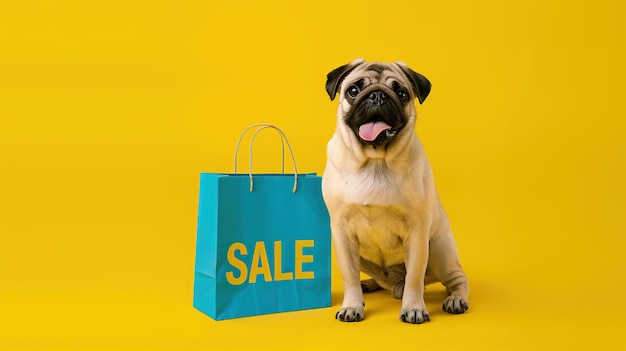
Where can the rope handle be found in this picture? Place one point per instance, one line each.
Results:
(260, 127)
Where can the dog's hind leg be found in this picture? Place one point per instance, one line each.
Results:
(369, 285)
(398, 290)
(444, 265)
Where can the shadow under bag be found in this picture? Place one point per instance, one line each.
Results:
(263, 242)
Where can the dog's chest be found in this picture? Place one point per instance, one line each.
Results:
(375, 184)
(380, 232)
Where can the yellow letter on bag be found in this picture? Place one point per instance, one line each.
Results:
(237, 263)
(302, 258)
(260, 254)
(278, 263)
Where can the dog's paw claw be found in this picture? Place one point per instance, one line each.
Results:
(350, 314)
(414, 316)
(455, 305)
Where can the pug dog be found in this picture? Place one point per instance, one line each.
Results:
(385, 215)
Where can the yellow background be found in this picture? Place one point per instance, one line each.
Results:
(110, 109)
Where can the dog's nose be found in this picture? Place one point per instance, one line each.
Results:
(378, 97)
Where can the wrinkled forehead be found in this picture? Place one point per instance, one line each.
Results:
(376, 72)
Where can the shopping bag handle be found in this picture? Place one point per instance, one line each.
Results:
(283, 140)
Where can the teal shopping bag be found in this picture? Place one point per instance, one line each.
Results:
(263, 243)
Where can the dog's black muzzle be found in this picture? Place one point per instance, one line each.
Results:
(375, 104)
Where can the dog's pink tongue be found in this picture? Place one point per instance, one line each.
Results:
(370, 131)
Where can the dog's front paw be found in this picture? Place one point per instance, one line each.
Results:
(350, 314)
(455, 305)
(414, 316)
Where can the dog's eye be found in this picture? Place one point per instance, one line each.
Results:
(353, 91)
(402, 95)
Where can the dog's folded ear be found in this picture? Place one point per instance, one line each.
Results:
(336, 76)
(420, 84)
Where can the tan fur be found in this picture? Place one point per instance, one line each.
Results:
(386, 217)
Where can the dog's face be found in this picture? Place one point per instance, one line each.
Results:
(376, 99)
